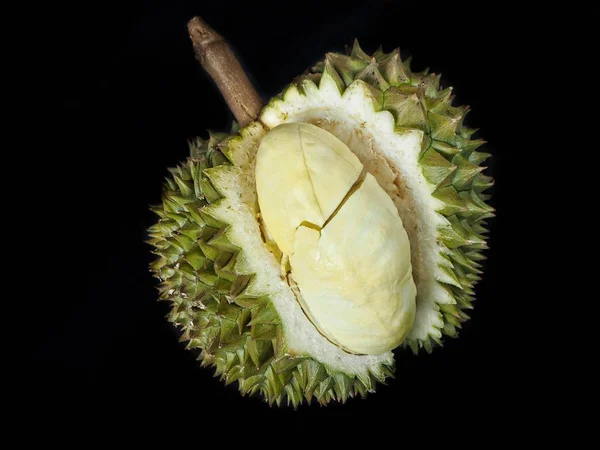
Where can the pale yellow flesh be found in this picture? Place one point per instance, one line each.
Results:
(354, 274)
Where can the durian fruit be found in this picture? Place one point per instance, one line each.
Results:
(346, 222)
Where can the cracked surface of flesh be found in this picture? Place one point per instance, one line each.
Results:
(303, 174)
(348, 250)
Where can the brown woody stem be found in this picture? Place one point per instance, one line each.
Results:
(217, 58)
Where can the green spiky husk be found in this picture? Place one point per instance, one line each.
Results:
(241, 336)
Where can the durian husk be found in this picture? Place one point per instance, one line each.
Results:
(240, 335)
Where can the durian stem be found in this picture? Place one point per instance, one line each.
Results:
(217, 58)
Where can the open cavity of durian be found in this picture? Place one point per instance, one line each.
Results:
(391, 156)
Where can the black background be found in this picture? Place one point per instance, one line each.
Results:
(111, 356)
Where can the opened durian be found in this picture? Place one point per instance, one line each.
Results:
(346, 221)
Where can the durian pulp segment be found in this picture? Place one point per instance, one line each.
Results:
(349, 253)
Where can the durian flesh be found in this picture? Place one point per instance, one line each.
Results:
(220, 253)
(348, 251)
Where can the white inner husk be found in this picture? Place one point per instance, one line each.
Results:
(392, 157)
